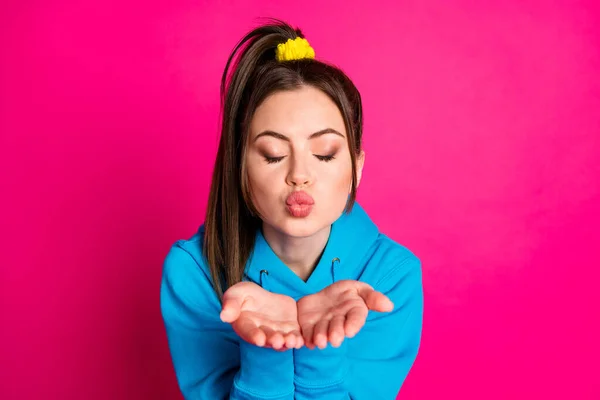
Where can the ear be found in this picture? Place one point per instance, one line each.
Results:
(360, 163)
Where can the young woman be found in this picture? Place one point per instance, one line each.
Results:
(288, 290)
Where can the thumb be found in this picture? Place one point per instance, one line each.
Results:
(375, 301)
(232, 307)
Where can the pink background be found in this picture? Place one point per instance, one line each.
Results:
(483, 156)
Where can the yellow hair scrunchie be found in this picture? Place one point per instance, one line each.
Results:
(294, 49)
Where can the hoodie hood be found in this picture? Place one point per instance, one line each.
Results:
(352, 238)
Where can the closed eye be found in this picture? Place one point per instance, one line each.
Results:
(325, 158)
(273, 160)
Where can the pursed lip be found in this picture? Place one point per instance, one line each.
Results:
(299, 204)
(299, 198)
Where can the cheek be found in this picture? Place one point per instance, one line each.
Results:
(344, 183)
(261, 181)
(338, 179)
(345, 175)
(340, 189)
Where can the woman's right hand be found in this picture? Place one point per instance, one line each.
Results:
(262, 318)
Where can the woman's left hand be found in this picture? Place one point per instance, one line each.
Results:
(338, 311)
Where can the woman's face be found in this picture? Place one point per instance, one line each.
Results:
(298, 162)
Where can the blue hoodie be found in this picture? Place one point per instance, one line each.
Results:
(211, 362)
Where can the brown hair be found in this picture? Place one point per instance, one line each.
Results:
(251, 74)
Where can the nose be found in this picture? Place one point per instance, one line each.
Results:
(299, 173)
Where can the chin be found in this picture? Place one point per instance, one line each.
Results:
(301, 231)
(298, 227)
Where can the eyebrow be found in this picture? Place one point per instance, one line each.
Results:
(283, 137)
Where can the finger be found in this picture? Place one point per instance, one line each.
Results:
(336, 330)
(258, 337)
(294, 339)
(307, 334)
(250, 332)
(299, 340)
(275, 340)
(375, 300)
(232, 306)
(320, 333)
(355, 319)
(289, 341)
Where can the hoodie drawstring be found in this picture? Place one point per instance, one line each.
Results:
(334, 264)
(264, 276)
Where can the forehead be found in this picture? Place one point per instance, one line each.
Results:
(299, 112)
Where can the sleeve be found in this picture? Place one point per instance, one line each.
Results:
(210, 361)
(375, 363)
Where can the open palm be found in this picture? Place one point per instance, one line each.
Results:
(262, 318)
(338, 311)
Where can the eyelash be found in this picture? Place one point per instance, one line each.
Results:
(274, 160)
(325, 158)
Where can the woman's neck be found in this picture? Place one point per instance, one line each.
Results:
(300, 254)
